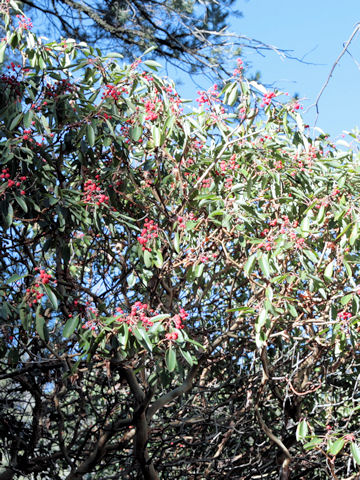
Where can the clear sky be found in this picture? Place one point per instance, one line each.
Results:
(316, 31)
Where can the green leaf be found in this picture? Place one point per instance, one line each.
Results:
(335, 447)
(159, 259)
(90, 135)
(301, 430)
(15, 278)
(355, 452)
(152, 64)
(51, 296)
(2, 51)
(15, 121)
(156, 133)
(147, 259)
(9, 216)
(136, 132)
(354, 234)
(40, 325)
(21, 202)
(198, 270)
(249, 264)
(264, 265)
(346, 299)
(70, 326)
(131, 279)
(313, 443)
(177, 242)
(146, 339)
(160, 317)
(261, 320)
(188, 357)
(329, 270)
(311, 255)
(170, 358)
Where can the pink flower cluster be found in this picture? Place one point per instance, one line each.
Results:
(148, 233)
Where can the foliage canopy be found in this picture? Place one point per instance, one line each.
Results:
(179, 289)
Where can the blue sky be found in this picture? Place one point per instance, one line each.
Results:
(315, 31)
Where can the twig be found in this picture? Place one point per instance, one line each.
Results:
(344, 50)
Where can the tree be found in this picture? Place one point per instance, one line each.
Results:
(192, 35)
(179, 290)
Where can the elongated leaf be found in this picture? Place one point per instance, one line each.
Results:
(170, 358)
(355, 452)
(249, 264)
(70, 326)
(354, 234)
(147, 258)
(21, 202)
(329, 271)
(188, 357)
(335, 447)
(15, 278)
(160, 317)
(301, 430)
(177, 242)
(156, 133)
(51, 296)
(136, 132)
(41, 326)
(90, 135)
(146, 339)
(264, 265)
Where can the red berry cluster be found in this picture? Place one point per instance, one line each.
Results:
(232, 164)
(12, 81)
(114, 92)
(179, 318)
(58, 88)
(92, 192)
(34, 295)
(172, 336)
(150, 108)
(267, 98)
(344, 316)
(5, 176)
(208, 97)
(44, 277)
(239, 69)
(25, 23)
(140, 313)
(148, 233)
